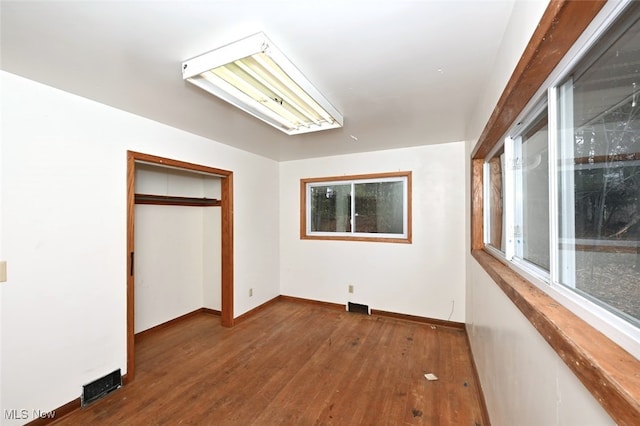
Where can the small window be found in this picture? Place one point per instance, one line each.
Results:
(365, 207)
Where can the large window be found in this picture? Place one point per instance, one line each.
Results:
(365, 207)
(562, 192)
(572, 103)
(598, 138)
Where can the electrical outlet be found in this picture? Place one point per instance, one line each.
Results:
(250, 292)
(350, 288)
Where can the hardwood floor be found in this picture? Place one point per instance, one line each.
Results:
(295, 364)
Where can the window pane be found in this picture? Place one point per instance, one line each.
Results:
(599, 175)
(331, 208)
(532, 187)
(371, 207)
(379, 207)
(495, 214)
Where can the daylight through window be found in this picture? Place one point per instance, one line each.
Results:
(563, 190)
(364, 207)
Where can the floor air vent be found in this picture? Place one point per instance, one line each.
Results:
(358, 308)
(97, 389)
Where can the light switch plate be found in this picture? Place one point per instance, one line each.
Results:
(3, 271)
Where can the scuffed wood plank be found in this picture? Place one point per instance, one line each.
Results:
(294, 362)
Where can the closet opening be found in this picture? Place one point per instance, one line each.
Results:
(216, 193)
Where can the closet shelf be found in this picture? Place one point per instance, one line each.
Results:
(170, 200)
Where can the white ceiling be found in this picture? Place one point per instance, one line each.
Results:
(403, 73)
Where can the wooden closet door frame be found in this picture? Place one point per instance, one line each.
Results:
(226, 181)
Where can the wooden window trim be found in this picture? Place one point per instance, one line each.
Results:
(303, 207)
(608, 371)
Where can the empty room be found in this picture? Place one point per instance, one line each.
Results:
(320, 212)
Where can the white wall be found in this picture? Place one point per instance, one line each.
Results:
(1, 251)
(177, 248)
(64, 235)
(168, 264)
(425, 278)
(523, 21)
(523, 379)
(212, 254)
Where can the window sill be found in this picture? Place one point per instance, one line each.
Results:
(610, 373)
(368, 239)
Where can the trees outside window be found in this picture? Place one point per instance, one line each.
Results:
(365, 207)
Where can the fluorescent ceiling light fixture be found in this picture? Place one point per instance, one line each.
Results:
(253, 75)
